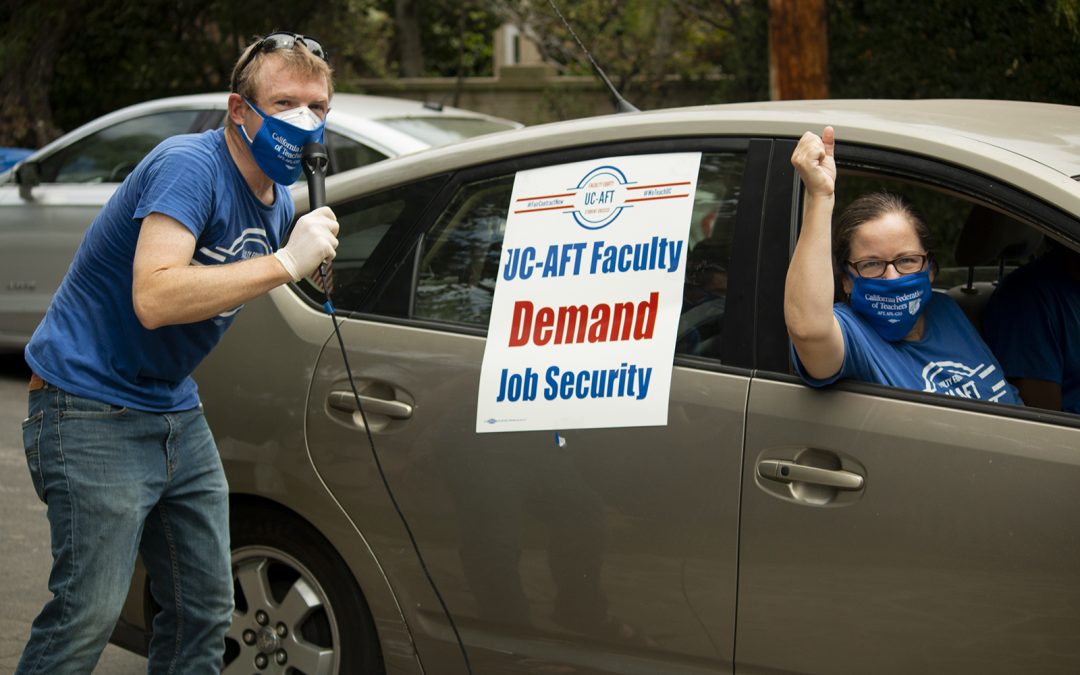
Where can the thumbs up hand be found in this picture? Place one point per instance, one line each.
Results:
(815, 160)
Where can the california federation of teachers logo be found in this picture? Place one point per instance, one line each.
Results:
(892, 307)
(982, 382)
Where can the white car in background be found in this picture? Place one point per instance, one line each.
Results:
(49, 199)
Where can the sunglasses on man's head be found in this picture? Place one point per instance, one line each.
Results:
(275, 41)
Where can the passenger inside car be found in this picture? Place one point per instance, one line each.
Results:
(989, 239)
(858, 299)
(704, 299)
(1032, 323)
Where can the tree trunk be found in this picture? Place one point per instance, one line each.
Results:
(459, 81)
(407, 24)
(26, 118)
(798, 50)
(658, 66)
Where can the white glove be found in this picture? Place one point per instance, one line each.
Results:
(313, 241)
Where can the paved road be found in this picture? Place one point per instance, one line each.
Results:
(24, 536)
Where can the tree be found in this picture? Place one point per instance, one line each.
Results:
(65, 62)
(443, 38)
(642, 44)
(740, 48)
(1024, 50)
(28, 58)
(407, 22)
(798, 50)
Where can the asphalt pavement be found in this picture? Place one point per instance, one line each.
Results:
(24, 533)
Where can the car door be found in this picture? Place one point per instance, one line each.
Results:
(39, 235)
(892, 531)
(595, 550)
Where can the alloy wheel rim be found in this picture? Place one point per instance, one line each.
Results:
(283, 621)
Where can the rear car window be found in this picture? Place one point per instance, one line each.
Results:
(365, 224)
(109, 155)
(460, 256)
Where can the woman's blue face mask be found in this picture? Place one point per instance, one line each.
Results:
(891, 306)
(278, 145)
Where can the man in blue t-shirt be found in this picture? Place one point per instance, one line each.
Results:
(1032, 323)
(115, 440)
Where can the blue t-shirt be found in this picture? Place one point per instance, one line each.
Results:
(91, 342)
(950, 358)
(1032, 323)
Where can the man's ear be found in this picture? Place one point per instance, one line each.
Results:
(237, 106)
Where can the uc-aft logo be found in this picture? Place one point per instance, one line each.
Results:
(601, 196)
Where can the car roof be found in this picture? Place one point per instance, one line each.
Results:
(1033, 146)
(372, 107)
(357, 114)
(1044, 131)
(358, 108)
(385, 107)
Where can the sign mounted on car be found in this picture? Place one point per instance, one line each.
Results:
(588, 295)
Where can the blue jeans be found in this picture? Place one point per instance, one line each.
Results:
(118, 482)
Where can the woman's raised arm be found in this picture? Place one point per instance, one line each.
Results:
(808, 292)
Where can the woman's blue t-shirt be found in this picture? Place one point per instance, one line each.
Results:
(950, 358)
(91, 342)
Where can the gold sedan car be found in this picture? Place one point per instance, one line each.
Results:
(767, 527)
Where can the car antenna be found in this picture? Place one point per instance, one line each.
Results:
(621, 104)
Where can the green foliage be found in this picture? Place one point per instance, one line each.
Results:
(457, 36)
(1022, 50)
(120, 52)
(734, 35)
(359, 35)
(1068, 13)
(643, 44)
(83, 58)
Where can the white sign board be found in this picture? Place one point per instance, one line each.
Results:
(588, 296)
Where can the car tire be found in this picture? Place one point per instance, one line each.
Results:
(298, 609)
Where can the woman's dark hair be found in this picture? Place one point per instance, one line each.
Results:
(868, 207)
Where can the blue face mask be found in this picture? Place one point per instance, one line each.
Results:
(278, 145)
(891, 306)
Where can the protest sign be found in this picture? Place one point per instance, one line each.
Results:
(588, 295)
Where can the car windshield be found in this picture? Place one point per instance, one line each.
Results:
(442, 130)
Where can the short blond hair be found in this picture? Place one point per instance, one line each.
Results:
(246, 75)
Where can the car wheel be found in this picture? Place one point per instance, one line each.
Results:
(298, 610)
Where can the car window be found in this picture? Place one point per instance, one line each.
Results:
(364, 224)
(459, 258)
(345, 153)
(950, 217)
(109, 155)
(976, 244)
(711, 231)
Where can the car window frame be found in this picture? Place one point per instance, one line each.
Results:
(389, 298)
(385, 258)
(922, 170)
(197, 125)
(735, 356)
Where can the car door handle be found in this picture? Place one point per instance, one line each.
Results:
(346, 402)
(789, 472)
